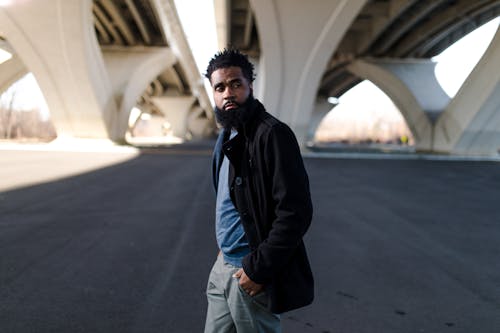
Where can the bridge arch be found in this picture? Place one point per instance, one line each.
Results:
(374, 120)
(408, 101)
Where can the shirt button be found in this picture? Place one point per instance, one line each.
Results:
(238, 181)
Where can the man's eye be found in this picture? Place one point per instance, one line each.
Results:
(236, 84)
(219, 88)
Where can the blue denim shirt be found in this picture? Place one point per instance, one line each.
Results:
(228, 228)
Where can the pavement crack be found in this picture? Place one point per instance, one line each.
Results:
(341, 293)
(400, 312)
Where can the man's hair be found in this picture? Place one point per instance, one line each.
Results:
(228, 58)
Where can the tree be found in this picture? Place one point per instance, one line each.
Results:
(7, 112)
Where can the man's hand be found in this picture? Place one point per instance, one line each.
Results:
(250, 287)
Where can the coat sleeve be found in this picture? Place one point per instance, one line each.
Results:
(291, 204)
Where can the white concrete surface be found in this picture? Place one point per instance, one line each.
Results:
(297, 39)
(57, 43)
(471, 123)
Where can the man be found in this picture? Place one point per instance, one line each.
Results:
(263, 209)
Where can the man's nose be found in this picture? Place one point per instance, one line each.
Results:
(228, 93)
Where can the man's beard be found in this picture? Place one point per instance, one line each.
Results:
(235, 118)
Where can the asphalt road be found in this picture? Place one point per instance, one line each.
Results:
(396, 245)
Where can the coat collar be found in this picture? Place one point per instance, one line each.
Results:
(232, 148)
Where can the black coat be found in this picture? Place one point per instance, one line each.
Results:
(270, 189)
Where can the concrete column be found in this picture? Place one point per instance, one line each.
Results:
(11, 71)
(295, 51)
(268, 84)
(198, 126)
(321, 109)
(419, 76)
(176, 110)
(57, 43)
(471, 123)
(412, 86)
(131, 70)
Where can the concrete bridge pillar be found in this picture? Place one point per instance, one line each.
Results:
(176, 110)
(467, 124)
(130, 72)
(56, 41)
(419, 76)
(321, 109)
(197, 124)
(471, 123)
(295, 49)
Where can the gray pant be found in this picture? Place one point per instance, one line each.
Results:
(231, 309)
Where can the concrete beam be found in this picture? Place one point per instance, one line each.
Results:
(141, 25)
(420, 77)
(118, 21)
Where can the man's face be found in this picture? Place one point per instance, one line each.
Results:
(231, 88)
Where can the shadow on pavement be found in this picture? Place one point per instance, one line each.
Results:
(396, 246)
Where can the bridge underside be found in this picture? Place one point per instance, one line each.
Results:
(309, 51)
(108, 57)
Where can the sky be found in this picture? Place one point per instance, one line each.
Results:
(199, 28)
(456, 62)
(200, 31)
(4, 56)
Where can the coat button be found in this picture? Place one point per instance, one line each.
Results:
(238, 181)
